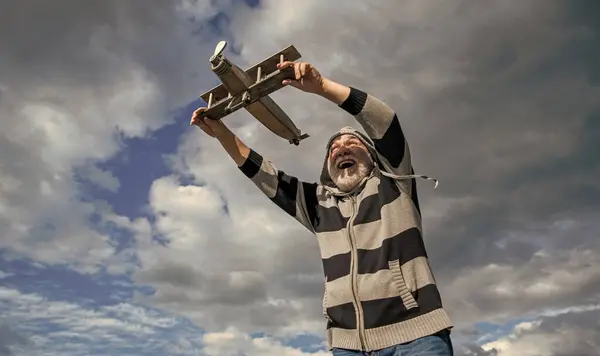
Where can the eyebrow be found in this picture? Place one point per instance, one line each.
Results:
(351, 139)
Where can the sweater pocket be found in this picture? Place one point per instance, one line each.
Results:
(407, 297)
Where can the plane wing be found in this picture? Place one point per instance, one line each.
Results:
(268, 65)
(275, 119)
(250, 89)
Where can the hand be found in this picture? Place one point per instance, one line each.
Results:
(213, 128)
(307, 79)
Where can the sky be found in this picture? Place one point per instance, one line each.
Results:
(123, 231)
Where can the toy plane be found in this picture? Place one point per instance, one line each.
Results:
(250, 89)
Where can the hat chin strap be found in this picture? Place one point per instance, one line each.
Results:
(410, 176)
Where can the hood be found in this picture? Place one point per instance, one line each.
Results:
(325, 179)
(378, 167)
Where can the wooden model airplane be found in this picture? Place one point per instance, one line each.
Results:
(250, 89)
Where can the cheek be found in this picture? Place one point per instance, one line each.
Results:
(331, 154)
(330, 166)
(361, 154)
(331, 158)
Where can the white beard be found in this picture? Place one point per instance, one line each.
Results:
(347, 179)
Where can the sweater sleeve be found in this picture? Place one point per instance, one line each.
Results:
(297, 198)
(381, 124)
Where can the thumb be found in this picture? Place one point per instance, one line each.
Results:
(215, 125)
(210, 122)
(294, 83)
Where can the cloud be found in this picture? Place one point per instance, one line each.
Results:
(101, 178)
(61, 327)
(233, 343)
(570, 333)
(476, 350)
(9, 340)
(496, 103)
(77, 80)
(216, 258)
(548, 280)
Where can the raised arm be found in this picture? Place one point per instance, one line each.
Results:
(298, 199)
(376, 117)
(381, 124)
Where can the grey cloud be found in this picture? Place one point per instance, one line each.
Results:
(475, 350)
(11, 340)
(217, 292)
(75, 43)
(74, 78)
(101, 178)
(233, 288)
(585, 324)
(575, 333)
(172, 274)
(498, 101)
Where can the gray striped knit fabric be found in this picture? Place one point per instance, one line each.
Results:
(379, 288)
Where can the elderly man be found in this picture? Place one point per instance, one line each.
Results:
(380, 294)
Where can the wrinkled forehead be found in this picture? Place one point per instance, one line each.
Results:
(345, 139)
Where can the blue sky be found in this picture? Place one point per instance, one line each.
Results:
(136, 165)
(124, 231)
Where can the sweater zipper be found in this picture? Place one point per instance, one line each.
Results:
(354, 275)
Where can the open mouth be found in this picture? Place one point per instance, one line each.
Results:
(346, 163)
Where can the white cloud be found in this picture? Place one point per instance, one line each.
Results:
(232, 343)
(553, 335)
(496, 101)
(103, 77)
(221, 261)
(60, 326)
(459, 99)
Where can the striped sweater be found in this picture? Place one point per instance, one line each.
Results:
(379, 288)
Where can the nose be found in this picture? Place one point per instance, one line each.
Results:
(342, 151)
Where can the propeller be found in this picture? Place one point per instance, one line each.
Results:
(218, 52)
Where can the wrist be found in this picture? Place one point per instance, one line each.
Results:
(326, 85)
(236, 149)
(225, 135)
(334, 91)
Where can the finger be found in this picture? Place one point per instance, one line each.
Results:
(293, 83)
(297, 71)
(194, 120)
(200, 124)
(199, 111)
(211, 123)
(303, 67)
(196, 115)
(285, 64)
(308, 68)
(205, 128)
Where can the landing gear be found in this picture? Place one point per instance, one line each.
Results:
(296, 141)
